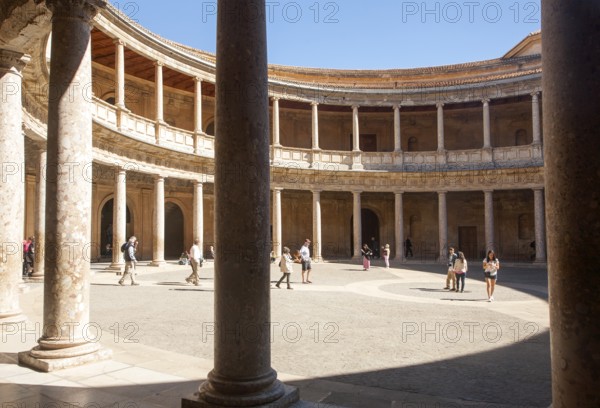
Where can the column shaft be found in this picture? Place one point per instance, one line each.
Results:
(397, 130)
(571, 104)
(540, 225)
(199, 215)
(315, 126)
(317, 245)
(120, 74)
(12, 193)
(159, 100)
(440, 127)
(443, 225)
(40, 218)
(158, 228)
(535, 118)
(242, 374)
(489, 220)
(355, 130)
(357, 225)
(64, 341)
(276, 141)
(277, 235)
(197, 114)
(399, 226)
(119, 218)
(487, 142)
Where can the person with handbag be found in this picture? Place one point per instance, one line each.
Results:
(285, 266)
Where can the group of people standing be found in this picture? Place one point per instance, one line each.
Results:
(458, 267)
(368, 254)
(287, 261)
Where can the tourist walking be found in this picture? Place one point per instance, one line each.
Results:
(306, 261)
(460, 270)
(285, 266)
(491, 264)
(130, 261)
(451, 276)
(195, 256)
(408, 247)
(386, 255)
(367, 255)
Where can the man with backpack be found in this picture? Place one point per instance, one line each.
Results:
(128, 250)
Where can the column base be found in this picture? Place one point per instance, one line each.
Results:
(291, 396)
(36, 277)
(115, 267)
(157, 263)
(63, 358)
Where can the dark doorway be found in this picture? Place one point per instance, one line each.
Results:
(174, 244)
(467, 242)
(106, 227)
(370, 228)
(367, 142)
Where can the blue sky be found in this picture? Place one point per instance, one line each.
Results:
(350, 34)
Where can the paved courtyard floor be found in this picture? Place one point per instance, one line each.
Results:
(380, 338)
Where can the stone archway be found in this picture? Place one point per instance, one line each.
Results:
(106, 226)
(369, 227)
(174, 231)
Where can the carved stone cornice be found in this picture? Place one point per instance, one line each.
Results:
(13, 61)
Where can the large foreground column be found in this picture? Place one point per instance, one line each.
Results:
(571, 104)
(12, 193)
(66, 340)
(242, 375)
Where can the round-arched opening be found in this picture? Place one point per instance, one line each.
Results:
(174, 242)
(106, 228)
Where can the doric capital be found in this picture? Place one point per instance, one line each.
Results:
(13, 61)
(81, 9)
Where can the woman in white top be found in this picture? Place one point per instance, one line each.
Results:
(491, 264)
(460, 269)
(285, 266)
(196, 260)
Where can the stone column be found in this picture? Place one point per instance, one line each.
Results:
(317, 243)
(277, 235)
(66, 340)
(197, 114)
(120, 74)
(119, 218)
(242, 375)
(12, 192)
(40, 218)
(571, 103)
(440, 127)
(357, 225)
(535, 118)
(489, 220)
(158, 228)
(355, 130)
(276, 142)
(540, 225)
(158, 99)
(399, 225)
(443, 225)
(487, 138)
(199, 214)
(315, 125)
(397, 130)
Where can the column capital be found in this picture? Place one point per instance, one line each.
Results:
(356, 191)
(159, 63)
(488, 190)
(198, 183)
(82, 9)
(535, 94)
(119, 41)
(439, 105)
(538, 188)
(316, 191)
(278, 189)
(197, 79)
(399, 192)
(159, 178)
(442, 192)
(485, 101)
(13, 61)
(355, 107)
(314, 103)
(275, 98)
(396, 106)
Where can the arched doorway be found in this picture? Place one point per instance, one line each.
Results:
(106, 227)
(174, 243)
(370, 228)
